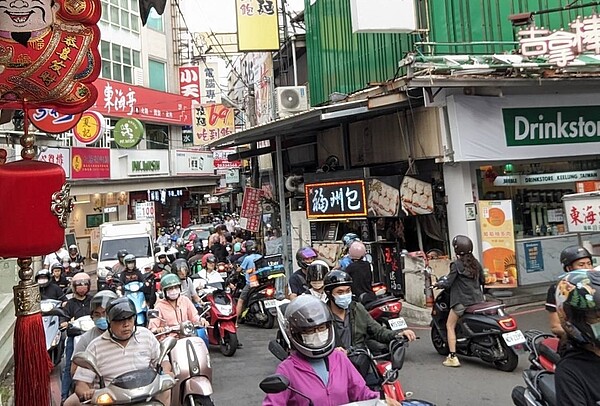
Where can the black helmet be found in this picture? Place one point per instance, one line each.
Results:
(578, 304)
(317, 271)
(198, 248)
(121, 254)
(462, 245)
(57, 265)
(250, 246)
(102, 299)
(572, 254)
(43, 273)
(336, 278)
(303, 255)
(121, 308)
(307, 312)
(349, 238)
(180, 265)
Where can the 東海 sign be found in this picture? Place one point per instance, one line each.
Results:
(336, 199)
(128, 132)
(562, 47)
(551, 125)
(582, 211)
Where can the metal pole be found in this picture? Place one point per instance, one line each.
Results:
(282, 211)
(293, 39)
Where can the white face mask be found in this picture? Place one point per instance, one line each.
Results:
(316, 340)
(317, 285)
(173, 294)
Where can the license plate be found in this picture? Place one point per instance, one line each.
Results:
(223, 274)
(269, 304)
(513, 338)
(397, 324)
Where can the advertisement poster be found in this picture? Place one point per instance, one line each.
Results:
(251, 210)
(90, 163)
(498, 243)
(211, 123)
(534, 260)
(59, 156)
(417, 196)
(384, 197)
(257, 25)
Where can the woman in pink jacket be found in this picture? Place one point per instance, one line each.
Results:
(314, 368)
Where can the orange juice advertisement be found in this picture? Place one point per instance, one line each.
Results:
(498, 243)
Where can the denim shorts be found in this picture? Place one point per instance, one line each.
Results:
(459, 309)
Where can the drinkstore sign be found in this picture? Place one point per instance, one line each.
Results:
(551, 125)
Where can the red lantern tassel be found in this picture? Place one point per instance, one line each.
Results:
(32, 363)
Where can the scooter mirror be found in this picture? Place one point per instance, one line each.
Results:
(398, 353)
(274, 384)
(95, 256)
(88, 361)
(165, 346)
(153, 314)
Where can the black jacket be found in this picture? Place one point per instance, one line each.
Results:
(464, 290)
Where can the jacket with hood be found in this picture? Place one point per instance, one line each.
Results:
(345, 384)
(363, 327)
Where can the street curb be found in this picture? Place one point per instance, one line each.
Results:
(415, 314)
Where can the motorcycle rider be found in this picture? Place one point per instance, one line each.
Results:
(297, 282)
(120, 265)
(571, 258)
(174, 308)
(247, 268)
(98, 306)
(217, 243)
(345, 260)
(74, 255)
(55, 257)
(164, 239)
(162, 263)
(465, 282)
(195, 261)
(182, 270)
(352, 323)
(315, 274)
(74, 308)
(578, 308)
(237, 253)
(314, 368)
(359, 270)
(48, 290)
(58, 277)
(123, 340)
(132, 274)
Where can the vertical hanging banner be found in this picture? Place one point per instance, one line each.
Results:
(498, 243)
(251, 210)
(49, 55)
(209, 89)
(257, 25)
(211, 122)
(189, 82)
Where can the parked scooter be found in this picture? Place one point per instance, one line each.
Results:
(260, 307)
(55, 337)
(484, 331)
(191, 363)
(540, 389)
(543, 350)
(132, 388)
(222, 317)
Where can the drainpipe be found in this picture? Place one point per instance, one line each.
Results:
(293, 39)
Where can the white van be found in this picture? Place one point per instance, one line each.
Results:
(131, 235)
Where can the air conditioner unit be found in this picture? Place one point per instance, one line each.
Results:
(290, 100)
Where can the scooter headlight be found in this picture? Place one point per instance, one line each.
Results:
(102, 272)
(104, 399)
(46, 307)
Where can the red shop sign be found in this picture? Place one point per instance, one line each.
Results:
(51, 121)
(90, 163)
(116, 99)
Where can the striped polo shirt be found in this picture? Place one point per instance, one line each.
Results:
(142, 350)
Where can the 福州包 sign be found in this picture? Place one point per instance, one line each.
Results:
(582, 212)
(51, 121)
(551, 125)
(89, 127)
(128, 132)
(336, 199)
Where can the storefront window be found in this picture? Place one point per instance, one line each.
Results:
(157, 136)
(536, 191)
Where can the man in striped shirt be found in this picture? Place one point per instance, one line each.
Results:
(120, 349)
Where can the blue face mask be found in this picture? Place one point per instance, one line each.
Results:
(102, 323)
(343, 301)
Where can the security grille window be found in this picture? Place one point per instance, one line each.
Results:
(118, 62)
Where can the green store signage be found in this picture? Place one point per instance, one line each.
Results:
(551, 125)
(128, 132)
(145, 166)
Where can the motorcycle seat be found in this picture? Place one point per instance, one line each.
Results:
(546, 385)
(490, 308)
(549, 349)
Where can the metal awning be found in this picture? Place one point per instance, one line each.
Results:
(82, 187)
(315, 119)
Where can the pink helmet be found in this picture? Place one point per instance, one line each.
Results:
(357, 250)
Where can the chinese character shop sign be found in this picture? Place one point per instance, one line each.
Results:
(582, 213)
(562, 47)
(90, 163)
(89, 127)
(211, 123)
(251, 210)
(336, 199)
(189, 82)
(51, 121)
(257, 25)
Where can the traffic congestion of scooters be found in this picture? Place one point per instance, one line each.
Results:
(224, 291)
